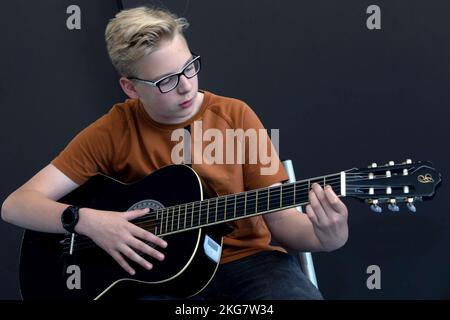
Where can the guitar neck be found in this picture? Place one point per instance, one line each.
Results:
(231, 207)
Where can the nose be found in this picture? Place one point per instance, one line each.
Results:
(184, 85)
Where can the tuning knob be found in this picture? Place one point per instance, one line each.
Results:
(410, 205)
(393, 206)
(375, 207)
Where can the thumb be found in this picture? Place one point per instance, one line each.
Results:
(130, 215)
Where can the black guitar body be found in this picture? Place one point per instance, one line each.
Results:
(47, 272)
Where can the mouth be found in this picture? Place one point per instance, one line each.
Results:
(186, 104)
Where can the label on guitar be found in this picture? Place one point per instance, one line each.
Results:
(212, 249)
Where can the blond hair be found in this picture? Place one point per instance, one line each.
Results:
(135, 33)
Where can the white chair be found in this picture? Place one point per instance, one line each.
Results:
(305, 258)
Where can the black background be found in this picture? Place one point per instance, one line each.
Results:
(341, 95)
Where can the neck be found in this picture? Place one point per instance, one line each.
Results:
(240, 205)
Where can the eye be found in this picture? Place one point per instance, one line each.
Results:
(167, 80)
(190, 67)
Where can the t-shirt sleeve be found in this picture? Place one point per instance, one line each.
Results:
(262, 167)
(90, 152)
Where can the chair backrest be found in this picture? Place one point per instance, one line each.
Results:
(305, 258)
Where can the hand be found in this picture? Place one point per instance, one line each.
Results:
(328, 215)
(113, 232)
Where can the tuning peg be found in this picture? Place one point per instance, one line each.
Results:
(391, 163)
(375, 207)
(408, 161)
(410, 205)
(393, 206)
(373, 165)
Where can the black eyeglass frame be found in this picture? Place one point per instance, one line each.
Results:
(178, 74)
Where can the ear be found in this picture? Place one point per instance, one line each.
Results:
(129, 88)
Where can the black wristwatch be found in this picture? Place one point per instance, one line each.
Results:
(69, 218)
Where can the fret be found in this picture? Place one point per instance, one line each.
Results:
(200, 213)
(178, 223)
(245, 204)
(251, 203)
(167, 219)
(217, 202)
(192, 215)
(156, 221)
(173, 212)
(281, 196)
(240, 205)
(262, 200)
(287, 195)
(256, 201)
(162, 215)
(235, 200)
(274, 198)
(295, 187)
(220, 208)
(300, 195)
(225, 209)
(207, 213)
(185, 214)
(324, 183)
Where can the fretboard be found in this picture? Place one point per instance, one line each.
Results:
(231, 207)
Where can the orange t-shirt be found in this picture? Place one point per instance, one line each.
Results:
(127, 145)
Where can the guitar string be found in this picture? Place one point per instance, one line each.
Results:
(199, 213)
(145, 221)
(150, 222)
(88, 243)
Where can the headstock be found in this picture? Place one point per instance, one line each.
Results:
(406, 182)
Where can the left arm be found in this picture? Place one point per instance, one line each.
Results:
(323, 228)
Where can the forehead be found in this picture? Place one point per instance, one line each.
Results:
(170, 56)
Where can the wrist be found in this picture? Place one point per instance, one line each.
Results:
(82, 224)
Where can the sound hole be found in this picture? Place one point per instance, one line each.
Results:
(150, 225)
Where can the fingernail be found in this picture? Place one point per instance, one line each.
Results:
(149, 266)
(161, 256)
(132, 272)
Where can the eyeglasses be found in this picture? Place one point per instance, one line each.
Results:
(170, 82)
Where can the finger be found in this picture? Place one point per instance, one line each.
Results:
(132, 255)
(320, 194)
(334, 201)
(148, 236)
(148, 250)
(130, 215)
(121, 261)
(311, 215)
(317, 208)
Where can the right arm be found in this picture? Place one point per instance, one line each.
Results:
(34, 206)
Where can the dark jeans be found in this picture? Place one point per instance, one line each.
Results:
(270, 275)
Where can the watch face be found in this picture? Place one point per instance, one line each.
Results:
(67, 216)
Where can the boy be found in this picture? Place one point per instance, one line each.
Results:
(159, 75)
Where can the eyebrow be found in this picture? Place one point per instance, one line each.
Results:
(171, 73)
